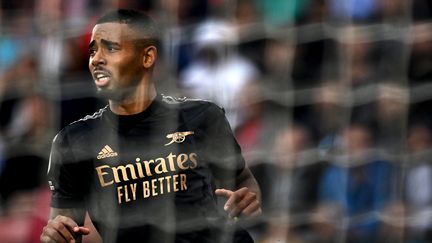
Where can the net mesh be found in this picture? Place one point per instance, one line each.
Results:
(329, 100)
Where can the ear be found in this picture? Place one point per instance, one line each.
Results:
(149, 57)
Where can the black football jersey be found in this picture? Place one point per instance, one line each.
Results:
(147, 177)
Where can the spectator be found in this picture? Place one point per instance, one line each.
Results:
(355, 184)
(293, 186)
(218, 73)
(417, 186)
(354, 10)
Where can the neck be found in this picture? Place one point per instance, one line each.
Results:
(136, 102)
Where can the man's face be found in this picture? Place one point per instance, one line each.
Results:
(115, 63)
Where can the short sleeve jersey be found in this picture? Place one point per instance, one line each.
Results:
(146, 173)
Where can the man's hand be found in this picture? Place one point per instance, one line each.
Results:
(62, 229)
(240, 203)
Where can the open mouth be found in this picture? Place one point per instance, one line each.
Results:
(101, 79)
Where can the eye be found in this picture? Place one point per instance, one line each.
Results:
(111, 48)
(92, 52)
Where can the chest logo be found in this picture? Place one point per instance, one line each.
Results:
(106, 152)
(178, 137)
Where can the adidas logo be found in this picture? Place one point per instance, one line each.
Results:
(106, 152)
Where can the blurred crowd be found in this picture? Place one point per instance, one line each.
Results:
(331, 102)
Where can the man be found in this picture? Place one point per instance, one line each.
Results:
(145, 167)
(218, 71)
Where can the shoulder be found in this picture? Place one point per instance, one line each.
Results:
(80, 127)
(193, 106)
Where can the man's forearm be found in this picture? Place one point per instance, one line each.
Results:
(246, 179)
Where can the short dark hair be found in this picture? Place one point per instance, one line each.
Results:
(136, 20)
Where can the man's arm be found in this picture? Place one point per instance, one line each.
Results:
(245, 199)
(246, 179)
(64, 226)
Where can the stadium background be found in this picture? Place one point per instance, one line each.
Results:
(330, 100)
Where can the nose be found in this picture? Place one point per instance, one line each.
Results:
(97, 58)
